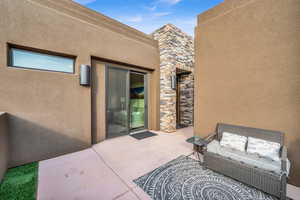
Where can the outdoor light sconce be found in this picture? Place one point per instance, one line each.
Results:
(173, 82)
(85, 75)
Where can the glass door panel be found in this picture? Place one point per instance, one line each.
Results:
(117, 102)
(137, 101)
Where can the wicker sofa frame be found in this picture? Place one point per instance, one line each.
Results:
(274, 184)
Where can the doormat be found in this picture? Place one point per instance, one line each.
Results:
(143, 135)
(179, 126)
(184, 179)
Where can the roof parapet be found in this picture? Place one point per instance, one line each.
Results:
(76, 10)
(221, 9)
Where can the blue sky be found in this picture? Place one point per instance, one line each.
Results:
(149, 15)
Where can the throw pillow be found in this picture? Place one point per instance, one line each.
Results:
(264, 148)
(233, 141)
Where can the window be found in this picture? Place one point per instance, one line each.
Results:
(22, 58)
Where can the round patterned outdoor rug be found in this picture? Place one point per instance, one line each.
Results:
(184, 179)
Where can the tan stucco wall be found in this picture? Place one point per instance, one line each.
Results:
(4, 154)
(49, 112)
(248, 69)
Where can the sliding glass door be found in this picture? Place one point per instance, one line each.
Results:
(117, 102)
(126, 101)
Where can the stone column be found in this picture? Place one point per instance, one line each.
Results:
(176, 52)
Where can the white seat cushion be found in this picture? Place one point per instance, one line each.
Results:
(233, 141)
(249, 159)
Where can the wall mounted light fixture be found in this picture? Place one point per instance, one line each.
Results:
(173, 82)
(85, 75)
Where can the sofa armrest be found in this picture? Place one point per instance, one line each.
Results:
(283, 158)
(210, 137)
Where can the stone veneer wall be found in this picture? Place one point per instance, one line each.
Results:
(176, 51)
(186, 88)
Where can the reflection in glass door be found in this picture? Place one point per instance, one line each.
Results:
(138, 103)
(117, 102)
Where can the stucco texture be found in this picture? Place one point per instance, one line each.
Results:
(49, 113)
(248, 69)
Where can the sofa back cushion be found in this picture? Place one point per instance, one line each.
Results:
(264, 148)
(273, 136)
(233, 141)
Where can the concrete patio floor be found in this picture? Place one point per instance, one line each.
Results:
(107, 170)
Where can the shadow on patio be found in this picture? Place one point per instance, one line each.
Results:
(107, 170)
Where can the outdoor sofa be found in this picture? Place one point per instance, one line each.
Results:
(261, 173)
